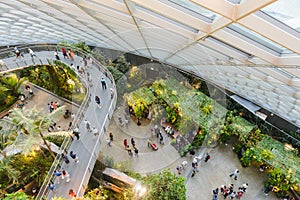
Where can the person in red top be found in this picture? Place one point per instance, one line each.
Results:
(72, 193)
(64, 52)
(125, 143)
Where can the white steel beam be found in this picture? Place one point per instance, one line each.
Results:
(271, 32)
(250, 6)
(221, 7)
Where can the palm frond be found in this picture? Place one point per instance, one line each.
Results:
(58, 133)
(26, 143)
(20, 119)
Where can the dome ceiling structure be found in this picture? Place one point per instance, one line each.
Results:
(250, 47)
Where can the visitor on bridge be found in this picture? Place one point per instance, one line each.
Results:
(31, 53)
(95, 131)
(74, 156)
(98, 101)
(103, 83)
(64, 52)
(76, 133)
(65, 175)
(87, 125)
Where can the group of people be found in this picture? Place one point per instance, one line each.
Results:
(53, 105)
(67, 54)
(228, 191)
(62, 174)
(128, 149)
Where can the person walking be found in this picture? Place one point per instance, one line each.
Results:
(244, 187)
(103, 83)
(51, 186)
(184, 164)
(235, 174)
(108, 141)
(65, 175)
(95, 131)
(179, 169)
(56, 55)
(125, 143)
(32, 54)
(161, 139)
(132, 142)
(87, 125)
(76, 133)
(65, 159)
(193, 173)
(98, 101)
(71, 54)
(64, 52)
(111, 136)
(57, 175)
(111, 93)
(149, 142)
(72, 193)
(74, 156)
(136, 152)
(207, 157)
(129, 151)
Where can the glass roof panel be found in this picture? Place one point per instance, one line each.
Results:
(258, 38)
(192, 7)
(167, 19)
(286, 11)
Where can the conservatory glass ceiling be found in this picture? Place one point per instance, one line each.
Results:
(250, 47)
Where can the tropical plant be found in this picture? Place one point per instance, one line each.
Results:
(11, 83)
(17, 196)
(8, 173)
(164, 185)
(281, 181)
(31, 127)
(121, 64)
(115, 73)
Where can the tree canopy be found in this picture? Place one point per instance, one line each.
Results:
(164, 185)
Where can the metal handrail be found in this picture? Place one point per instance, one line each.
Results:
(66, 143)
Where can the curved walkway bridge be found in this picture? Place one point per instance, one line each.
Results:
(88, 147)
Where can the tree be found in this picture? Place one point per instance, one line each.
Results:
(164, 185)
(11, 83)
(29, 126)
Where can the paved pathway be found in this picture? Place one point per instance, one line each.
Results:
(211, 175)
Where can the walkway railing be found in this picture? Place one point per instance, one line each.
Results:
(26, 62)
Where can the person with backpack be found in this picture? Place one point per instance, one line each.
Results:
(207, 157)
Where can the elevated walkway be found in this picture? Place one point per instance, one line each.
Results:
(88, 147)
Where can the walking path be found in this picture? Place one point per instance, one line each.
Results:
(211, 175)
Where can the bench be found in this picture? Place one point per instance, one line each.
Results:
(165, 124)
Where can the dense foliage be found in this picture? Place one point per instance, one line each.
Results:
(9, 89)
(164, 185)
(57, 78)
(33, 166)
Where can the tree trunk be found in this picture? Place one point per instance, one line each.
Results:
(48, 146)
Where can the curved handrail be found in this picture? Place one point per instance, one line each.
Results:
(67, 142)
